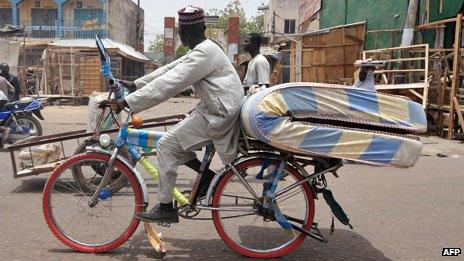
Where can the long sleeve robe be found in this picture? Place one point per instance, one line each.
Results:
(216, 82)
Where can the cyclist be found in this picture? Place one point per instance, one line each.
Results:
(215, 119)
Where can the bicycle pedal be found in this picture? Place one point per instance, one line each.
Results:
(164, 224)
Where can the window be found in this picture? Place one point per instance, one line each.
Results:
(37, 3)
(289, 26)
(79, 4)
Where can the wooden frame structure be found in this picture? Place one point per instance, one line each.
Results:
(409, 61)
(448, 75)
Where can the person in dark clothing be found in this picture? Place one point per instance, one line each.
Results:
(5, 72)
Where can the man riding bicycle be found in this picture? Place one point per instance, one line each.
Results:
(215, 119)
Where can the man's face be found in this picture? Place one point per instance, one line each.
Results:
(248, 44)
(4, 70)
(183, 35)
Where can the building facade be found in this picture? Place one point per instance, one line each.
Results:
(281, 18)
(68, 19)
(384, 22)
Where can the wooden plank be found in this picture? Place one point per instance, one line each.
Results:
(293, 61)
(39, 169)
(417, 46)
(456, 68)
(417, 94)
(72, 71)
(384, 31)
(354, 38)
(459, 113)
(426, 78)
(405, 59)
(441, 22)
(399, 70)
(441, 100)
(60, 58)
(384, 78)
(400, 86)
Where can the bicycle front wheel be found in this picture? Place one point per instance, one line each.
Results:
(241, 223)
(90, 229)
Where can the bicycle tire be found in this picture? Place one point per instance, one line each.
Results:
(277, 252)
(55, 228)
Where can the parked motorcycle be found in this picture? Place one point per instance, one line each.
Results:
(20, 118)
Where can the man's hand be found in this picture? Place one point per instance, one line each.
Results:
(129, 85)
(115, 105)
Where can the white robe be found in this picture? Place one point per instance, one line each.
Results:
(209, 71)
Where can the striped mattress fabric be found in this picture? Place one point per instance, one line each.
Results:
(144, 138)
(281, 116)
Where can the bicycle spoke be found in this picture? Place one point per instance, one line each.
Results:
(288, 196)
(74, 189)
(66, 196)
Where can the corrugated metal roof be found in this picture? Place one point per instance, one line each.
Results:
(123, 49)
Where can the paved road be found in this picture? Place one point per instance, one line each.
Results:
(397, 215)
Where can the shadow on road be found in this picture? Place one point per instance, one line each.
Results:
(33, 185)
(343, 245)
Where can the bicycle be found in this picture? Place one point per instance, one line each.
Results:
(239, 193)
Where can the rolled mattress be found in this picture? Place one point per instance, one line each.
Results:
(337, 121)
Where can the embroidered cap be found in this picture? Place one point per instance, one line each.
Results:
(191, 15)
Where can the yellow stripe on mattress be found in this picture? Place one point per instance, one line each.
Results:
(352, 144)
(393, 108)
(333, 103)
(290, 133)
(151, 139)
(273, 104)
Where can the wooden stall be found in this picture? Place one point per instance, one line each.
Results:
(72, 67)
(327, 55)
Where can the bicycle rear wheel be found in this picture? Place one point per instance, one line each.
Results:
(246, 229)
(90, 229)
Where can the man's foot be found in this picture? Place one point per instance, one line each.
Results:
(160, 213)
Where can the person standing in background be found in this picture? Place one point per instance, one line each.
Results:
(259, 70)
(5, 73)
(7, 90)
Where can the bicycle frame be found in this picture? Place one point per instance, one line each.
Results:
(132, 139)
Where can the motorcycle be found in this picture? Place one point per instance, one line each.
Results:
(20, 120)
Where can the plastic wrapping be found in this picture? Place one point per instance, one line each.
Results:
(43, 154)
(95, 112)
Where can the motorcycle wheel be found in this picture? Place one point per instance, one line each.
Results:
(25, 121)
